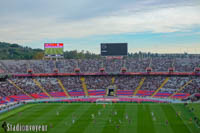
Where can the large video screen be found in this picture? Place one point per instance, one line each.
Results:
(53, 49)
(114, 49)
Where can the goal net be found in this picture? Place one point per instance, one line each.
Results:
(104, 101)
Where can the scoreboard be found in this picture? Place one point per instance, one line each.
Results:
(53, 49)
(53, 45)
(114, 49)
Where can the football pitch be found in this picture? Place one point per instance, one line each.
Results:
(53, 51)
(111, 118)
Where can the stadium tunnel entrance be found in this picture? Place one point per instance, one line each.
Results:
(111, 90)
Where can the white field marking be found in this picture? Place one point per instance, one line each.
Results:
(155, 104)
(192, 121)
(68, 119)
(183, 121)
(100, 120)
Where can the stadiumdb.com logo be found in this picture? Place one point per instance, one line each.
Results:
(8, 127)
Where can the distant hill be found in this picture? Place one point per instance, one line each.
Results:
(15, 51)
(18, 52)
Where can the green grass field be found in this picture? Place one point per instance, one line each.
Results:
(53, 51)
(140, 118)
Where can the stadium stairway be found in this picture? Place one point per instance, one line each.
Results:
(106, 94)
(84, 86)
(39, 85)
(11, 82)
(112, 83)
(63, 88)
(174, 95)
(161, 86)
(113, 80)
(139, 86)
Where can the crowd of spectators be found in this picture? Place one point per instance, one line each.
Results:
(152, 83)
(175, 84)
(71, 83)
(27, 84)
(127, 82)
(158, 64)
(74, 83)
(6, 89)
(98, 82)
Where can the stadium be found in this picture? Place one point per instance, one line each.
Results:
(100, 66)
(109, 94)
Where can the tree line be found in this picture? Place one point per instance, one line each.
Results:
(18, 52)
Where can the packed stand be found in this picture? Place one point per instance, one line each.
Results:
(137, 64)
(6, 89)
(98, 82)
(50, 84)
(152, 83)
(28, 85)
(71, 83)
(90, 65)
(127, 82)
(161, 64)
(158, 64)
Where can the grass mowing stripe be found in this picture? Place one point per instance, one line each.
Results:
(151, 118)
(41, 120)
(145, 121)
(140, 114)
(121, 117)
(64, 112)
(176, 123)
(66, 122)
(183, 121)
(27, 117)
(132, 110)
(108, 127)
(16, 110)
(196, 107)
(64, 119)
(101, 120)
(111, 127)
(148, 120)
(140, 125)
(48, 115)
(159, 120)
(84, 120)
(131, 126)
(185, 116)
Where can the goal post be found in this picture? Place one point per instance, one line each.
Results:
(104, 101)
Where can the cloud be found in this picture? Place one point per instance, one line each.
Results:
(44, 20)
(193, 48)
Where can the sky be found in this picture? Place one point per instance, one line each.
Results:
(157, 26)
